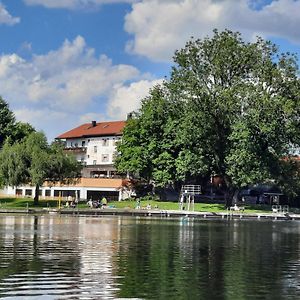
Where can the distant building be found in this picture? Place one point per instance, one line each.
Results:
(94, 145)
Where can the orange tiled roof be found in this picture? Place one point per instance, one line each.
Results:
(100, 129)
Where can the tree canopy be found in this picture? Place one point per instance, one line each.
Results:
(9, 128)
(33, 161)
(230, 108)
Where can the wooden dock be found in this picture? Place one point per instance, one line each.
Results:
(179, 213)
(156, 213)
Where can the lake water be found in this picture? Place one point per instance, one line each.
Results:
(53, 257)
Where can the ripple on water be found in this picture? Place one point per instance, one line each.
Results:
(128, 258)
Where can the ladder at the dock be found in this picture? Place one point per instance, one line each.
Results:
(187, 194)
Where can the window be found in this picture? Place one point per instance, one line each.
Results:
(47, 193)
(95, 149)
(19, 192)
(83, 143)
(94, 162)
(105, 142)
(116, 141)
(28, 192)
(105, 157)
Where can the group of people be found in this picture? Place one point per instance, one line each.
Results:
(138, 205)
(97, 203)
(71, 202)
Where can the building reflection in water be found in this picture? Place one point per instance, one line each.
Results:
(52, 255)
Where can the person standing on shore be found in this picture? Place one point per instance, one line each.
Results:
(138, 204)
(104, 202)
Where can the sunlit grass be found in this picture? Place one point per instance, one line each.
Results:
(21, 203)
(168, 205)
(204, 207)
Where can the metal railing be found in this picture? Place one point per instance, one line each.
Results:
(280, 208)
(191, 189)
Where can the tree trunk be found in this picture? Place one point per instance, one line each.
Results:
(36, 196)
(229, 192)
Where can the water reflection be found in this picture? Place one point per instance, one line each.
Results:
(53, 257)
(58, 257)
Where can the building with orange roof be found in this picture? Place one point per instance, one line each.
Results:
(94, 145)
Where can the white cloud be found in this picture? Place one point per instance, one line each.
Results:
(74, 4)
(125, 99)
(6, 17)
(91, 116)
(68, 86)
(71, 76)
(46, 120)
(161, 27)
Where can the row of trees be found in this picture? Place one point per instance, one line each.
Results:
(27, 158)
(230, 108)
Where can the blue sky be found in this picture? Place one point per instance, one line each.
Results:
(66, 62)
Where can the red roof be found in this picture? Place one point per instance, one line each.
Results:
(96, 129)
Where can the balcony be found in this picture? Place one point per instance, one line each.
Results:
(75, 149)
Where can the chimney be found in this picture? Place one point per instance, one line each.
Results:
(94, 123)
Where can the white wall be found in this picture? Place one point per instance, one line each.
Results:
(10, 191)
(91, 156)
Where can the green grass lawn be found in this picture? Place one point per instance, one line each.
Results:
(168, 205)
(205, 207)
(23, 203)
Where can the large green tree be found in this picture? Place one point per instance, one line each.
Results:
(149, 146)
(231, 108)
(9, 128)
(33, 161)
(7, 121)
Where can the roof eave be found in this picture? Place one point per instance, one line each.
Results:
(88, 135)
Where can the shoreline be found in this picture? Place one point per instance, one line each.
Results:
(155, 213)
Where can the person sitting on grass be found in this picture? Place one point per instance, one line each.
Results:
(90, 203)
(96, 204)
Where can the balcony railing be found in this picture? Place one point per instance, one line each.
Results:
(75, 149)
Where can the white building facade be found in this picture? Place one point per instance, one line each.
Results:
(94, 145)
